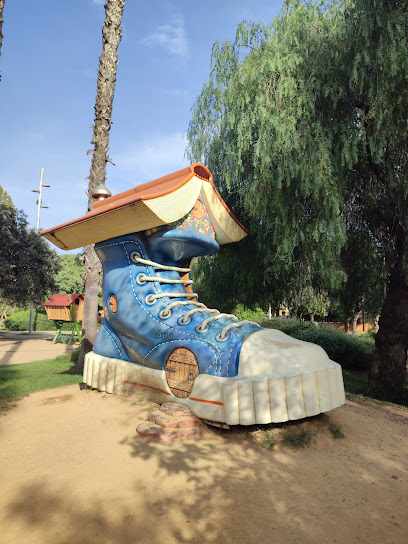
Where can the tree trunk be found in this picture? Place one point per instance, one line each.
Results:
(108, 62)
(376, 320)
(354, 325)
(2, 2)
(388, 369)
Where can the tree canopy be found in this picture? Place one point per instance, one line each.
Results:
(27, 265)
(5, 197)
(304, 126)
(70, 277)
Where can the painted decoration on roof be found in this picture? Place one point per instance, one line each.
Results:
(197, 221)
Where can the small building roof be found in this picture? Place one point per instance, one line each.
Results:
(62, 300)
(149, 205)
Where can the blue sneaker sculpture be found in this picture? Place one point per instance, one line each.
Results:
(158, 337)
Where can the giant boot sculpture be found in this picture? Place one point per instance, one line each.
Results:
(157, 337)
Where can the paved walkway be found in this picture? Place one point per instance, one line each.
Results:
(21, 347)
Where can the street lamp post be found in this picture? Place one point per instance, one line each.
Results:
(37, 228)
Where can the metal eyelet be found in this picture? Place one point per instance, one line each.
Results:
(134, 255)
(149, 301)
(201, 329)
(222, 337)
(165, 313)
(140, 280)
(184, 321)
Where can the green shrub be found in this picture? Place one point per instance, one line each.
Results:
(20, 321)
(350, 351)
(245, 313)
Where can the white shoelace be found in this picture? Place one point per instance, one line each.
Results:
(166, 312)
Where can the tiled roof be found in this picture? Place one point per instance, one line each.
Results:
(62, 300)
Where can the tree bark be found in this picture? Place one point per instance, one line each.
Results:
(388, 368)
(108, 63)
(354, 323)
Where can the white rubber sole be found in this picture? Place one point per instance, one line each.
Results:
(234, 401)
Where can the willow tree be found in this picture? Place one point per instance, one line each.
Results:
(108, 62)
(304, 126)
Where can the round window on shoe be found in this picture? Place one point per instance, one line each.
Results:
(113, 303)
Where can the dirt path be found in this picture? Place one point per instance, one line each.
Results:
(73, 471)
(20, 347)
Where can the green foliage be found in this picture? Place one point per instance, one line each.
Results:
(246, 313)
(17, 381)
(70, 277)
(307, 301)
(5, 198)
(20, 322)
(296, 439)
(27, 265)
(350, 351)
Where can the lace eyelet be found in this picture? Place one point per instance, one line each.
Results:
(201, 329)
(134, 256)
(184, 321)
(149, 301)
(222, 337)
(139, 279)
(165, 313)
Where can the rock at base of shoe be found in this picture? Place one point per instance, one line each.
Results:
(176, 410)
(171, 423)
(168, 421)
(150, 432)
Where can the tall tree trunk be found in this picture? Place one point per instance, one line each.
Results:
(354, 322)
(2, 2)
(388, 369)
(108, 62)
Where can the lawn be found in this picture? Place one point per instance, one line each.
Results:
(17, 381)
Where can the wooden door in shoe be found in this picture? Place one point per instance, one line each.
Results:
(181, 371)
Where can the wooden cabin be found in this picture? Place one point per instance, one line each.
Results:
(58, 307)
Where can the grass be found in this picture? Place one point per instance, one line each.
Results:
(17, 381)
(296, 439)
(336, 430)
(268, 441)
(355, 383)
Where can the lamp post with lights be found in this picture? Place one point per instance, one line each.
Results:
(37, 228)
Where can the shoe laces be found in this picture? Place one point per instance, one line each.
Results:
(199, 307)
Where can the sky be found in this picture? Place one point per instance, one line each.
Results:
(49, 64)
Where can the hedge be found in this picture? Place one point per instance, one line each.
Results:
(20, 322)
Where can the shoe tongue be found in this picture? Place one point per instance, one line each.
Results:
(191, 236)
(175, 247)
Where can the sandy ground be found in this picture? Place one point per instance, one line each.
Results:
(20, 347)
(74, 471)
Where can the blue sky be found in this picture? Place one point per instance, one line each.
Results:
(49, 63)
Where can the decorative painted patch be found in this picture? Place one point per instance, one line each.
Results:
(197, 220)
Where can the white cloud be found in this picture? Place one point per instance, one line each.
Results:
(171, 36)
(147, 161)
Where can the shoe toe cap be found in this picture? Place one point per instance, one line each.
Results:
(274, 354)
